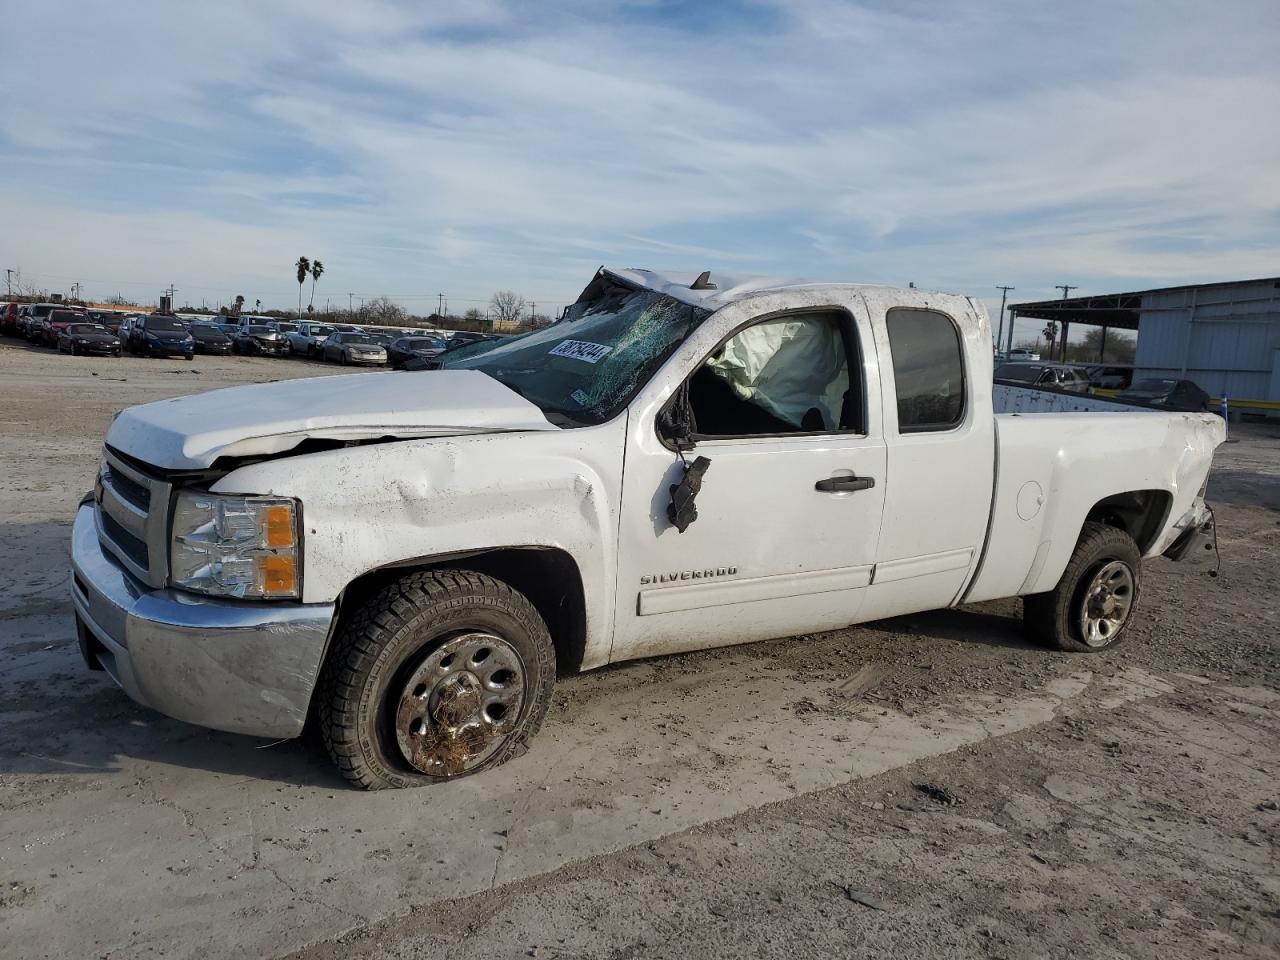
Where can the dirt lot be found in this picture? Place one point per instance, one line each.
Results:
(752, 801)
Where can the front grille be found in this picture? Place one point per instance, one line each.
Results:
(131, 490)
(132, 512)
(126, 541)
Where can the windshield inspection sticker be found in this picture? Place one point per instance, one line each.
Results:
(581, 350)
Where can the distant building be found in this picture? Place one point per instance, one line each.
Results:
(1224, 336)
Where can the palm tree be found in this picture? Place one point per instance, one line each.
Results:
(257, 306)
(239, 303)
(304, 268)
(317, 268)
(1050, 333)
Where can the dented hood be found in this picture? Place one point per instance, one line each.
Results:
(190, 433)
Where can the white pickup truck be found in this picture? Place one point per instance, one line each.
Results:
(407, 559)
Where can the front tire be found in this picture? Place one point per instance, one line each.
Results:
(438, 675)
(1093, 604)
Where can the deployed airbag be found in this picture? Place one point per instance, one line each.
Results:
(788, 367)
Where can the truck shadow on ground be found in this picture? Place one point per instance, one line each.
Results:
(70, 721)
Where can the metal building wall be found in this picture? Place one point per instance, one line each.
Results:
(1225, 337)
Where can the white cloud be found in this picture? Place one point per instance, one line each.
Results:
(498, 144)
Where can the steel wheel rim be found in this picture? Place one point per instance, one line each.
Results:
(460, 704)
(1107, 603)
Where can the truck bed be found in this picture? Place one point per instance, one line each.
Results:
(1009, 398)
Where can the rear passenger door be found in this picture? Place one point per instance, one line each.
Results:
(940, 437)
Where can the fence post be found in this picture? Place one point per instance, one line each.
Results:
(1226, 413)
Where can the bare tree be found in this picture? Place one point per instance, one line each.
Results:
(474, 315)
(507, 307)
(383, 310)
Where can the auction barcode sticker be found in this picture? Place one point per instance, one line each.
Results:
(581, 350)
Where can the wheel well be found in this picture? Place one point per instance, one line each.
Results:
(1139, 513)
(547, 576)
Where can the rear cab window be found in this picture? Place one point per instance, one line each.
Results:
(928, 369)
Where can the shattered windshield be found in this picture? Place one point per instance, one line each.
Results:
(587, 367)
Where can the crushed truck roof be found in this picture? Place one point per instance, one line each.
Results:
(727, 289)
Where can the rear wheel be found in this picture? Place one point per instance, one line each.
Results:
(1093, 603)
(437, 676)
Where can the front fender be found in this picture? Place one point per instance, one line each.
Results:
(377, 505)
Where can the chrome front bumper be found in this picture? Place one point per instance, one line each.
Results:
(231, 665)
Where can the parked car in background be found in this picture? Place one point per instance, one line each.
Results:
(411, 348)
(252, 320)
(29, 323)
(1110, 376)
(89, 338)
(1167, 394)
(9, 318)
(468, 336)
(306, 340)
(210, 338)
(259, 339)
(107, 318)
(1044, 375)
(55, 321)
(1020, 354)
(283, 327)
(354, 348)
(160, 335)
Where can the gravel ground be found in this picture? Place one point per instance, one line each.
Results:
(752, 801)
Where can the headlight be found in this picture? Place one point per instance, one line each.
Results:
(235, 546)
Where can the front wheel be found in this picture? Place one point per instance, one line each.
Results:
(438, 675)
(1093, 603)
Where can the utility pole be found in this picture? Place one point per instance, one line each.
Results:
(1062, 352)
(439, 304)
(75, 290)
(349, 296)
(533, 312)
(8, 281)
(1004, 292)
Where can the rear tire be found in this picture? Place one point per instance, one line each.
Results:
(1093, 604)
(397, 707)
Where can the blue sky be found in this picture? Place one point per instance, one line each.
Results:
(418, 149)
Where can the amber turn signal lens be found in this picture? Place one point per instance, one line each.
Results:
(279, 527)
(277, 575)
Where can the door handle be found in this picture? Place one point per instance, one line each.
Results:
(844, 484)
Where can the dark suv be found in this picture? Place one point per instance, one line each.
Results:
(32, 317)
(161, 335)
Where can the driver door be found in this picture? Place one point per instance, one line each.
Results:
(789, 511)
